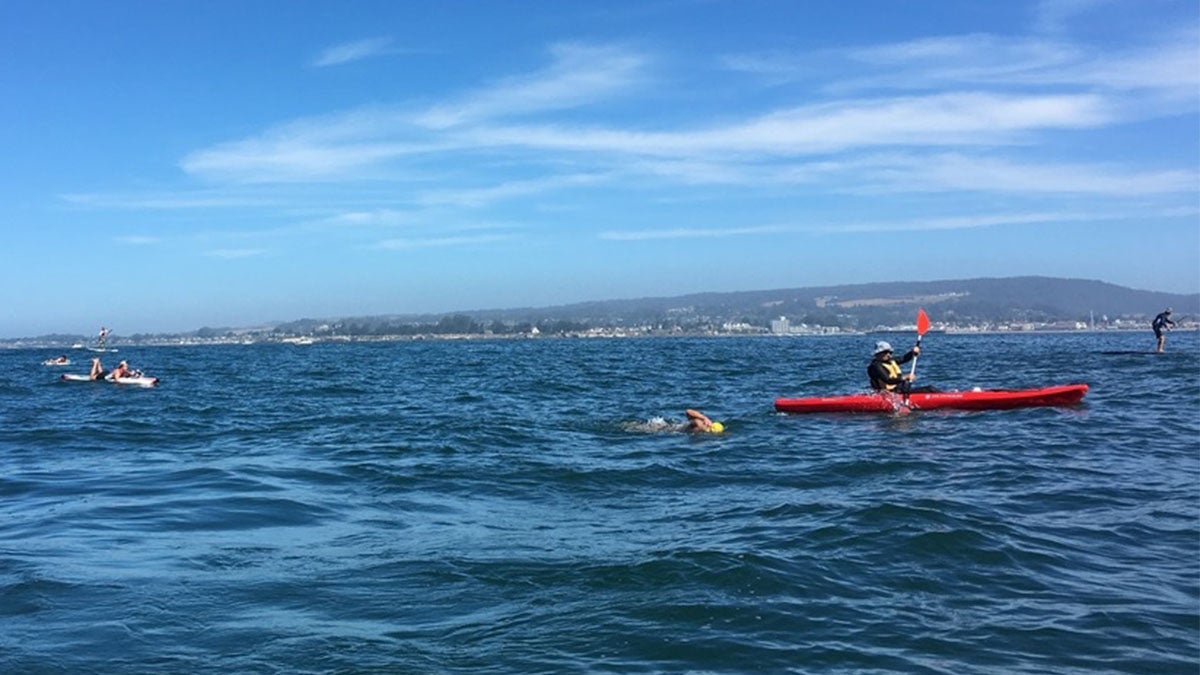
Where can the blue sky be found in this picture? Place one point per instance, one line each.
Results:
(171, 165)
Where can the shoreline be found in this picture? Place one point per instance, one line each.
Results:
(299, 341)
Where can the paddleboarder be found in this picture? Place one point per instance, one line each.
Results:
(1162, 322)
(122, 370)
(885, 371)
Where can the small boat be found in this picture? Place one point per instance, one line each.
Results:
(886, 402)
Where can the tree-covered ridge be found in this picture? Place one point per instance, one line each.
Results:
(857, 307)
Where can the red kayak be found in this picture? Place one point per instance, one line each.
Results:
(998, 399)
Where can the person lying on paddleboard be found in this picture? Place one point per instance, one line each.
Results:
(1162, 322)
(698, 421)
(98, 371)
(887, 375)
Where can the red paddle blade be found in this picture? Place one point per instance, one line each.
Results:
(922, 322)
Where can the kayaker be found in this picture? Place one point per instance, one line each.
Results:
(698, 421)
(97, 372)
(885, 372)
(1162, 322)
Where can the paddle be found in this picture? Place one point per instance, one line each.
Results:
(922, 327)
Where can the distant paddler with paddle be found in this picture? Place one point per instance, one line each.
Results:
(1162, 322)
(884, 370)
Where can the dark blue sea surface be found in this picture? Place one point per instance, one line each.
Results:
(520, 506)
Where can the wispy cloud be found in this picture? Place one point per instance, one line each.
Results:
(1168, 69)
(1169, 65)
(964, 222)
(823, 226)
(138, 240)
(956, 172)
(690, 233)
(1054, 16)
(404, 243)
(987, 91)
(957, 60)
(373, 218)
(235, 253)
(352, 51)
(201, 199)
(342, 146)
(579, 74)
(971, 118)
(295, 157)
(482, 196)
(941, 114)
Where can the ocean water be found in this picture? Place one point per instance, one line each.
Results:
(518, 507)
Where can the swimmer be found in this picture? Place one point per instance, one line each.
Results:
(698, 421)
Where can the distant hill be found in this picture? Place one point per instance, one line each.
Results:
(864, 305)
(852, 307)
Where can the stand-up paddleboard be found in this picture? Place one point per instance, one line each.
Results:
(1148, 352)
(1066, 394)
(141, 381)
(102, 350)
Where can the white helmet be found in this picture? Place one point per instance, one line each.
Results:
(881, 347)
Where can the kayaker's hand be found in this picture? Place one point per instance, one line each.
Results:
(916, 349)
(910, 377)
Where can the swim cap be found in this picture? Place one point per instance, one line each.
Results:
(881, 347)
(716, 428)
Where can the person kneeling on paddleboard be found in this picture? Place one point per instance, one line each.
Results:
(885, 372)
